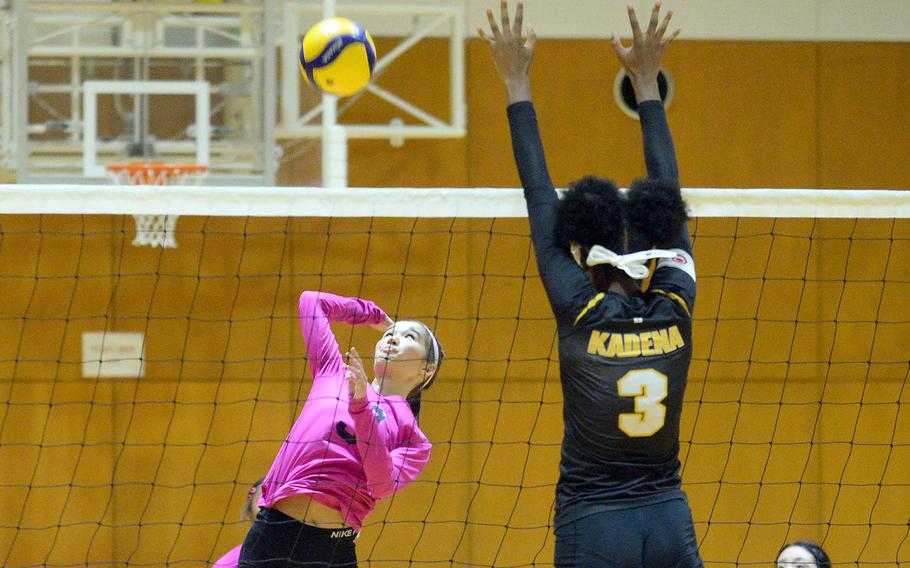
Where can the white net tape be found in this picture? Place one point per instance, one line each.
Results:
(410, 202)
(156, 230)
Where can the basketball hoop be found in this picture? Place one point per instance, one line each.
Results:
(156, 230)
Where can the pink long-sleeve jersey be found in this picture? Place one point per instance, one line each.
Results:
(344, 454)
(229, 560)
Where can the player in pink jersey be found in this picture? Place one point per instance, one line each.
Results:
(355, 441)
(250, 510)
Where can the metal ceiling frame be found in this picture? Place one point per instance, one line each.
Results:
(82, 36)
(437, 18)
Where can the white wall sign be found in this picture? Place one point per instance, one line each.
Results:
(113, 354)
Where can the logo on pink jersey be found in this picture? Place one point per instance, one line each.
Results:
(379, 412)
(342, 429)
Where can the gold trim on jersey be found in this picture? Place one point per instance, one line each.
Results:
(675, 297)
(591, 303)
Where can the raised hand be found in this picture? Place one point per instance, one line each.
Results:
(356, 376)
(642, 61)
(512, 53)
(383, 325)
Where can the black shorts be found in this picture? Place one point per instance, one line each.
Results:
(652, 536)
(278, 541)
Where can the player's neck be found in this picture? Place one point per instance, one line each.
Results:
(391, 388)
(617, 288)
(612, 281)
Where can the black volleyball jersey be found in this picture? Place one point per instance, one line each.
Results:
(623, 361)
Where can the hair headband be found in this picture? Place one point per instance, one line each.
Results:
(435, 355)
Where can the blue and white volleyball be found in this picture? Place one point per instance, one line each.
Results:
(337, 56)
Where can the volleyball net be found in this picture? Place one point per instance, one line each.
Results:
(145, 388)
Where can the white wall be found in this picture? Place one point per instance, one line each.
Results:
(781, 20)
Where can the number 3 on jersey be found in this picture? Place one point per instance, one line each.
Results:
(649, 388)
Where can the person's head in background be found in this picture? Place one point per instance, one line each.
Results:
(251, 506)
(802, 554)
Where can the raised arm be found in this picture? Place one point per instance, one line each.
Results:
(317, 310)
(642, 62)
(565, 283)
(660, 156)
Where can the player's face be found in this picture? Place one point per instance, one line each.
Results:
(253, 498)
(796, 557)
(401, 354)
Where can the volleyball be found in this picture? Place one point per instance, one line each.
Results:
(337, 56)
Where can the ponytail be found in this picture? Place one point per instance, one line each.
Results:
(414, 402)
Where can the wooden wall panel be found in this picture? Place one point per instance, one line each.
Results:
(864, 121)
(745, 114)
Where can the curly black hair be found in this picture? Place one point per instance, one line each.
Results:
(656, 211)
(593, 211)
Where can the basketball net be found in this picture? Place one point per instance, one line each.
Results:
(156, 230)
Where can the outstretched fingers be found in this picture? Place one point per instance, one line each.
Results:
(633, 21)
(666, 41)
(617, 44)
(519, 18)
(355, 375)
(483, 35)
(494, 27)
(532, 39)
(504, 16)
(356, 357)
(512, 51)
(655, 17)
(355, 364)
(657, 28)
(506, 28)
(664, 25)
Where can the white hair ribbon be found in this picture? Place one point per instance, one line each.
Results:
(634, 264)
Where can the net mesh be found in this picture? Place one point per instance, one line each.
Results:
(796, 422)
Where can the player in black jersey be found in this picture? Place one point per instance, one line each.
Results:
(624, 354)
